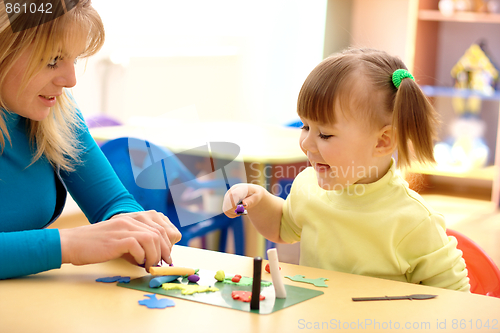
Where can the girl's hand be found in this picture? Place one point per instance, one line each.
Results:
(264, 209)
(248, 194)
(142, 236)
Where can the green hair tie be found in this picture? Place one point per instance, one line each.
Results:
(399, 75)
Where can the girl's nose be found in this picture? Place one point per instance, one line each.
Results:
(307, 142)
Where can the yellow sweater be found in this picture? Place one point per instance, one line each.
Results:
(382, 229)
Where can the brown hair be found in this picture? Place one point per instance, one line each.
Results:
(54, 136)
(360, 82)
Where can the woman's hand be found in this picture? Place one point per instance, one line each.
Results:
(142, 236)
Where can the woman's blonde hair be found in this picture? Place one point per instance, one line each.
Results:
(55, 136)
(360, 80)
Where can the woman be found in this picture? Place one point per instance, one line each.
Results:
(46, 150)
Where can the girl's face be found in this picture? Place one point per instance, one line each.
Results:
(342, 154)
(34, 102)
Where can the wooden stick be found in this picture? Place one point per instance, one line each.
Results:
(257, 271)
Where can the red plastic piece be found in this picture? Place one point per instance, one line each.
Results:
(236, 278)
(268, 268)
(244, 296)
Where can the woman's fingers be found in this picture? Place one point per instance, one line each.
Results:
(168, 233)
(143, 237)
(142, 241)
(113, 239)
(172, 232)
(131, 247)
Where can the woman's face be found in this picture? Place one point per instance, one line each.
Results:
(36, 99)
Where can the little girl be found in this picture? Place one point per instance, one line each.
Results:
(351, 210)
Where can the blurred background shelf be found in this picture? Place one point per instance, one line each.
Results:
(438, 91)
(487, 173)
(430, 44)
(435, 15)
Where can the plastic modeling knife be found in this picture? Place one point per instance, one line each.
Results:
(391, 298)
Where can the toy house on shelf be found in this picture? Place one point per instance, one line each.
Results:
(475, 71)
(466, 148)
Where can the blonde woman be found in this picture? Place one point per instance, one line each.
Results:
(46, 150)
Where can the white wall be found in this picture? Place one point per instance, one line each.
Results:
(338, 26)
(389, 30)
(231, 59)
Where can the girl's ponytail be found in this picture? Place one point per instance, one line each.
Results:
(415, 121)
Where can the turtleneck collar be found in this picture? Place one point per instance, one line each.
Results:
(11, 118)
(364, 194)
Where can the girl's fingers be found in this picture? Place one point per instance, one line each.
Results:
(236, 194)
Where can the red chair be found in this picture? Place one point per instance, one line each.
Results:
(484, 275)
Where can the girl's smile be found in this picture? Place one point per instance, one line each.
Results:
(343, 153)
(321, 167)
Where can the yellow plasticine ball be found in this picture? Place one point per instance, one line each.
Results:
(220, 276)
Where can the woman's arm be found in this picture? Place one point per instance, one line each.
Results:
(29, 252)
(100, 194)
(95, 186)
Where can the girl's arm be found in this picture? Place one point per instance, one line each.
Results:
(264, 209)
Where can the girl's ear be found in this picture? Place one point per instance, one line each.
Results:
(386, 141)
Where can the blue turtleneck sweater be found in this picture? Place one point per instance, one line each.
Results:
(33, 196)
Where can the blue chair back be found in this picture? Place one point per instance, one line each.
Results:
(128, 162)
(150, 172)
(296, 123)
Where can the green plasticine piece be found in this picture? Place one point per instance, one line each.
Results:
(195, 272)
(319, 282)
(245, 281)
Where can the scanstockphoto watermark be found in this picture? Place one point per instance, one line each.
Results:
(362, 324)
(156, 168)
(26, 14)
(464, 325)
(290, 171)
